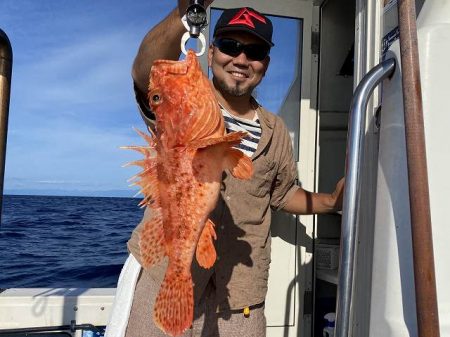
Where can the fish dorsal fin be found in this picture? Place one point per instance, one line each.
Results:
(238, 163)
(152, 243)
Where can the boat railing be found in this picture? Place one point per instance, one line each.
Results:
(357, 120)
(61, 330)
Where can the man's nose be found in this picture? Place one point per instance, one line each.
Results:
(241, 59)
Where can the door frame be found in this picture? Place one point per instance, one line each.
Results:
(307, 147)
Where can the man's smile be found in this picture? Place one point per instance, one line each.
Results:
(238, 75)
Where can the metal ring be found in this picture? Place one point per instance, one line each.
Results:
(184, 22)
(186, 37)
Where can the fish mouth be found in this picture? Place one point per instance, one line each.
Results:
(171, 67)
(189, 65)
(192, 61)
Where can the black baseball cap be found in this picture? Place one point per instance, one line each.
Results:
(245, 19)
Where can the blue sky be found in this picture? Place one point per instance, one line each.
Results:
(72, 104)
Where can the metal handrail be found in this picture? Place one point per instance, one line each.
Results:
(5, 90)
(73, 327)
(355, 145)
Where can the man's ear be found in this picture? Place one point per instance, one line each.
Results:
(266, 64)
(210, 54)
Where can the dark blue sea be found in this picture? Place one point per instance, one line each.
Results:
(52, 241)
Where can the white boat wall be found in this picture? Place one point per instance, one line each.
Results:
(393, 308)
(49, 307)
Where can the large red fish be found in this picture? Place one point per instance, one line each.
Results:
(181, 177)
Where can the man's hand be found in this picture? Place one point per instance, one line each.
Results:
(183, 5)
(338, 194)
(161, 42)
(305, 202)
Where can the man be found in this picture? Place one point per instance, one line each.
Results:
(228, 298)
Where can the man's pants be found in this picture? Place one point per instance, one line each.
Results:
(207, 323)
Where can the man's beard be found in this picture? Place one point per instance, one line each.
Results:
(236, 90)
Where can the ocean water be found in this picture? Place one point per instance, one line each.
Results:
(52, 241)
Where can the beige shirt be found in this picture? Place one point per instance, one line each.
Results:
(242, 218)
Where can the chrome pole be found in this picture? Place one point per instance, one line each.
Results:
(355, 146)
(5, 90)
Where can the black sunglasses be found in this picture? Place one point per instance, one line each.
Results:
(254, 52)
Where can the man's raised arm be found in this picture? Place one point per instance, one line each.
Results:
(161, 42)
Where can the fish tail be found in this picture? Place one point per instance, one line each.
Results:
(174, 307)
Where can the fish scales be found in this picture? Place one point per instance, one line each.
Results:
(180, 180)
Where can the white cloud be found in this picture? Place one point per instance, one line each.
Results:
(89, 73)
(82, 155)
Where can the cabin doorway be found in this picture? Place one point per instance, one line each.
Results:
(309, 84)
(335, 89)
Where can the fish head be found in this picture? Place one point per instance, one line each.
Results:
(183, 100)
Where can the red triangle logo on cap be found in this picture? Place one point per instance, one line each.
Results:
(245, 16)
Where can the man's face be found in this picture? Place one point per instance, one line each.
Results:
(239, 75)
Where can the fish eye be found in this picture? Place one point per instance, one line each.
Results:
(155, 98)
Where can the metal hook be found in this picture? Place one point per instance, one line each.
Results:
(186, 37)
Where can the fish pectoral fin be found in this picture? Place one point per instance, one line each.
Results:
(202, 143)
(206, 252)
(239, 164)
(151, 240)
(231, 139)
(174, 307)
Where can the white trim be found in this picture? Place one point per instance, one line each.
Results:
(118, 320)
